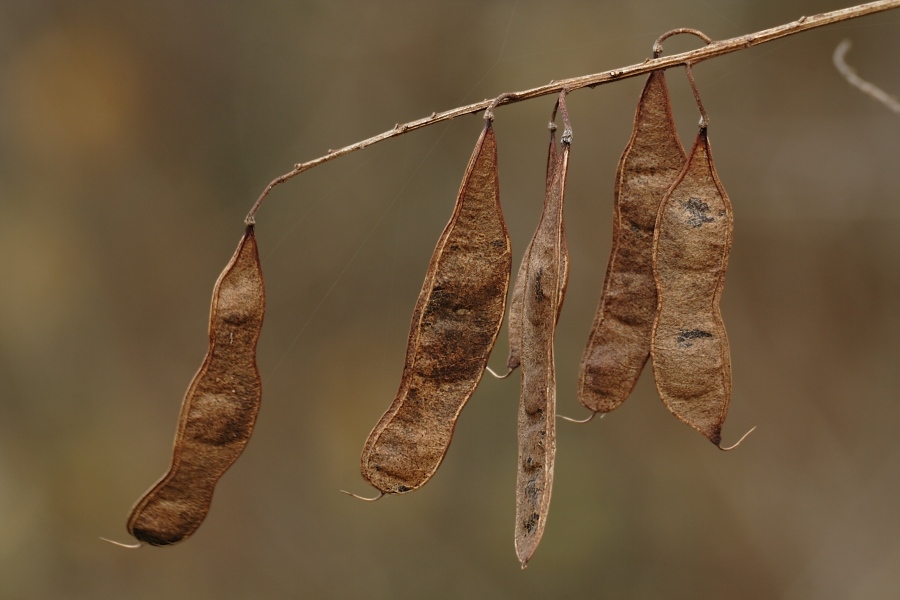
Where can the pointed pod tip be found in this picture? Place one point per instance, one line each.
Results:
(525, 551)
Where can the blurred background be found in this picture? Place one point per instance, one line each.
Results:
(134, 136)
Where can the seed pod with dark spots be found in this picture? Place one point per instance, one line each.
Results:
(691, 360)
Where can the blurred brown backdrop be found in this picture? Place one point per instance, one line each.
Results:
(135, 135)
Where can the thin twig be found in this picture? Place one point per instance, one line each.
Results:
(704, 120)
(489, 111)
(712, 50)
(869, 89)
(657, 46)
(567, 127)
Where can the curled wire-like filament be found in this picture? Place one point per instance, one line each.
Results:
(363, 498)
(582, 421)
(122, 545)
(738, 443)
(497, 375)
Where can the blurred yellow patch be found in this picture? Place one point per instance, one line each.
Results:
(73, 94)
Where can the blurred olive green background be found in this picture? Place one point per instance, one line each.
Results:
(134, 136)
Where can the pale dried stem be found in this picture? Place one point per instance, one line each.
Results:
(712, 50)
(869, 89)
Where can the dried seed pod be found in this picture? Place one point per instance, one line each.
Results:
(619, 343)
(219, 409)
(515, 304)
(454, 326)
(691, 360)
(545, 274)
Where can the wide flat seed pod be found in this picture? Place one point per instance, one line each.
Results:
(454, 326)
(543, 293)
(219, 409)
(619, 342)
(691, 359)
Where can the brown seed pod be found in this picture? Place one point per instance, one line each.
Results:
(619, 342)
(691, 360)
(454, 326)
(515, 304)
(543, 292)
(219, 409)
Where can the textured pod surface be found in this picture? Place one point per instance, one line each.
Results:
(691, 360)
(543, 293)
(454, 326)
(219, 409)
(619, 342)
(515, 304)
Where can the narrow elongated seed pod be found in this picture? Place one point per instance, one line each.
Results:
(515, 304)
(544, 291)
(219, 409)
(691, 360)
(619, 342)
(454, 326)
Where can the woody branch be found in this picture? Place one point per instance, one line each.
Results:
(711, 50)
